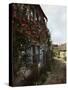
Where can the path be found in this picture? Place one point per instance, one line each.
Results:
(58, 73)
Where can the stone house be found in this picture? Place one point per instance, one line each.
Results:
(62, 49)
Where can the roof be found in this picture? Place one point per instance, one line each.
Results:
(55, 46)
(43, 13)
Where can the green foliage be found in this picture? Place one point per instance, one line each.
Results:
(20, 43)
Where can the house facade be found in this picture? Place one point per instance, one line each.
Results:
(62, 49)
(31, 38)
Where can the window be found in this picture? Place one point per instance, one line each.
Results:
(31, 16)
(35, 16)
(28, 14)
(30, 56)
(39, 18)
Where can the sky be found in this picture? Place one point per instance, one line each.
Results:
(56, 22)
